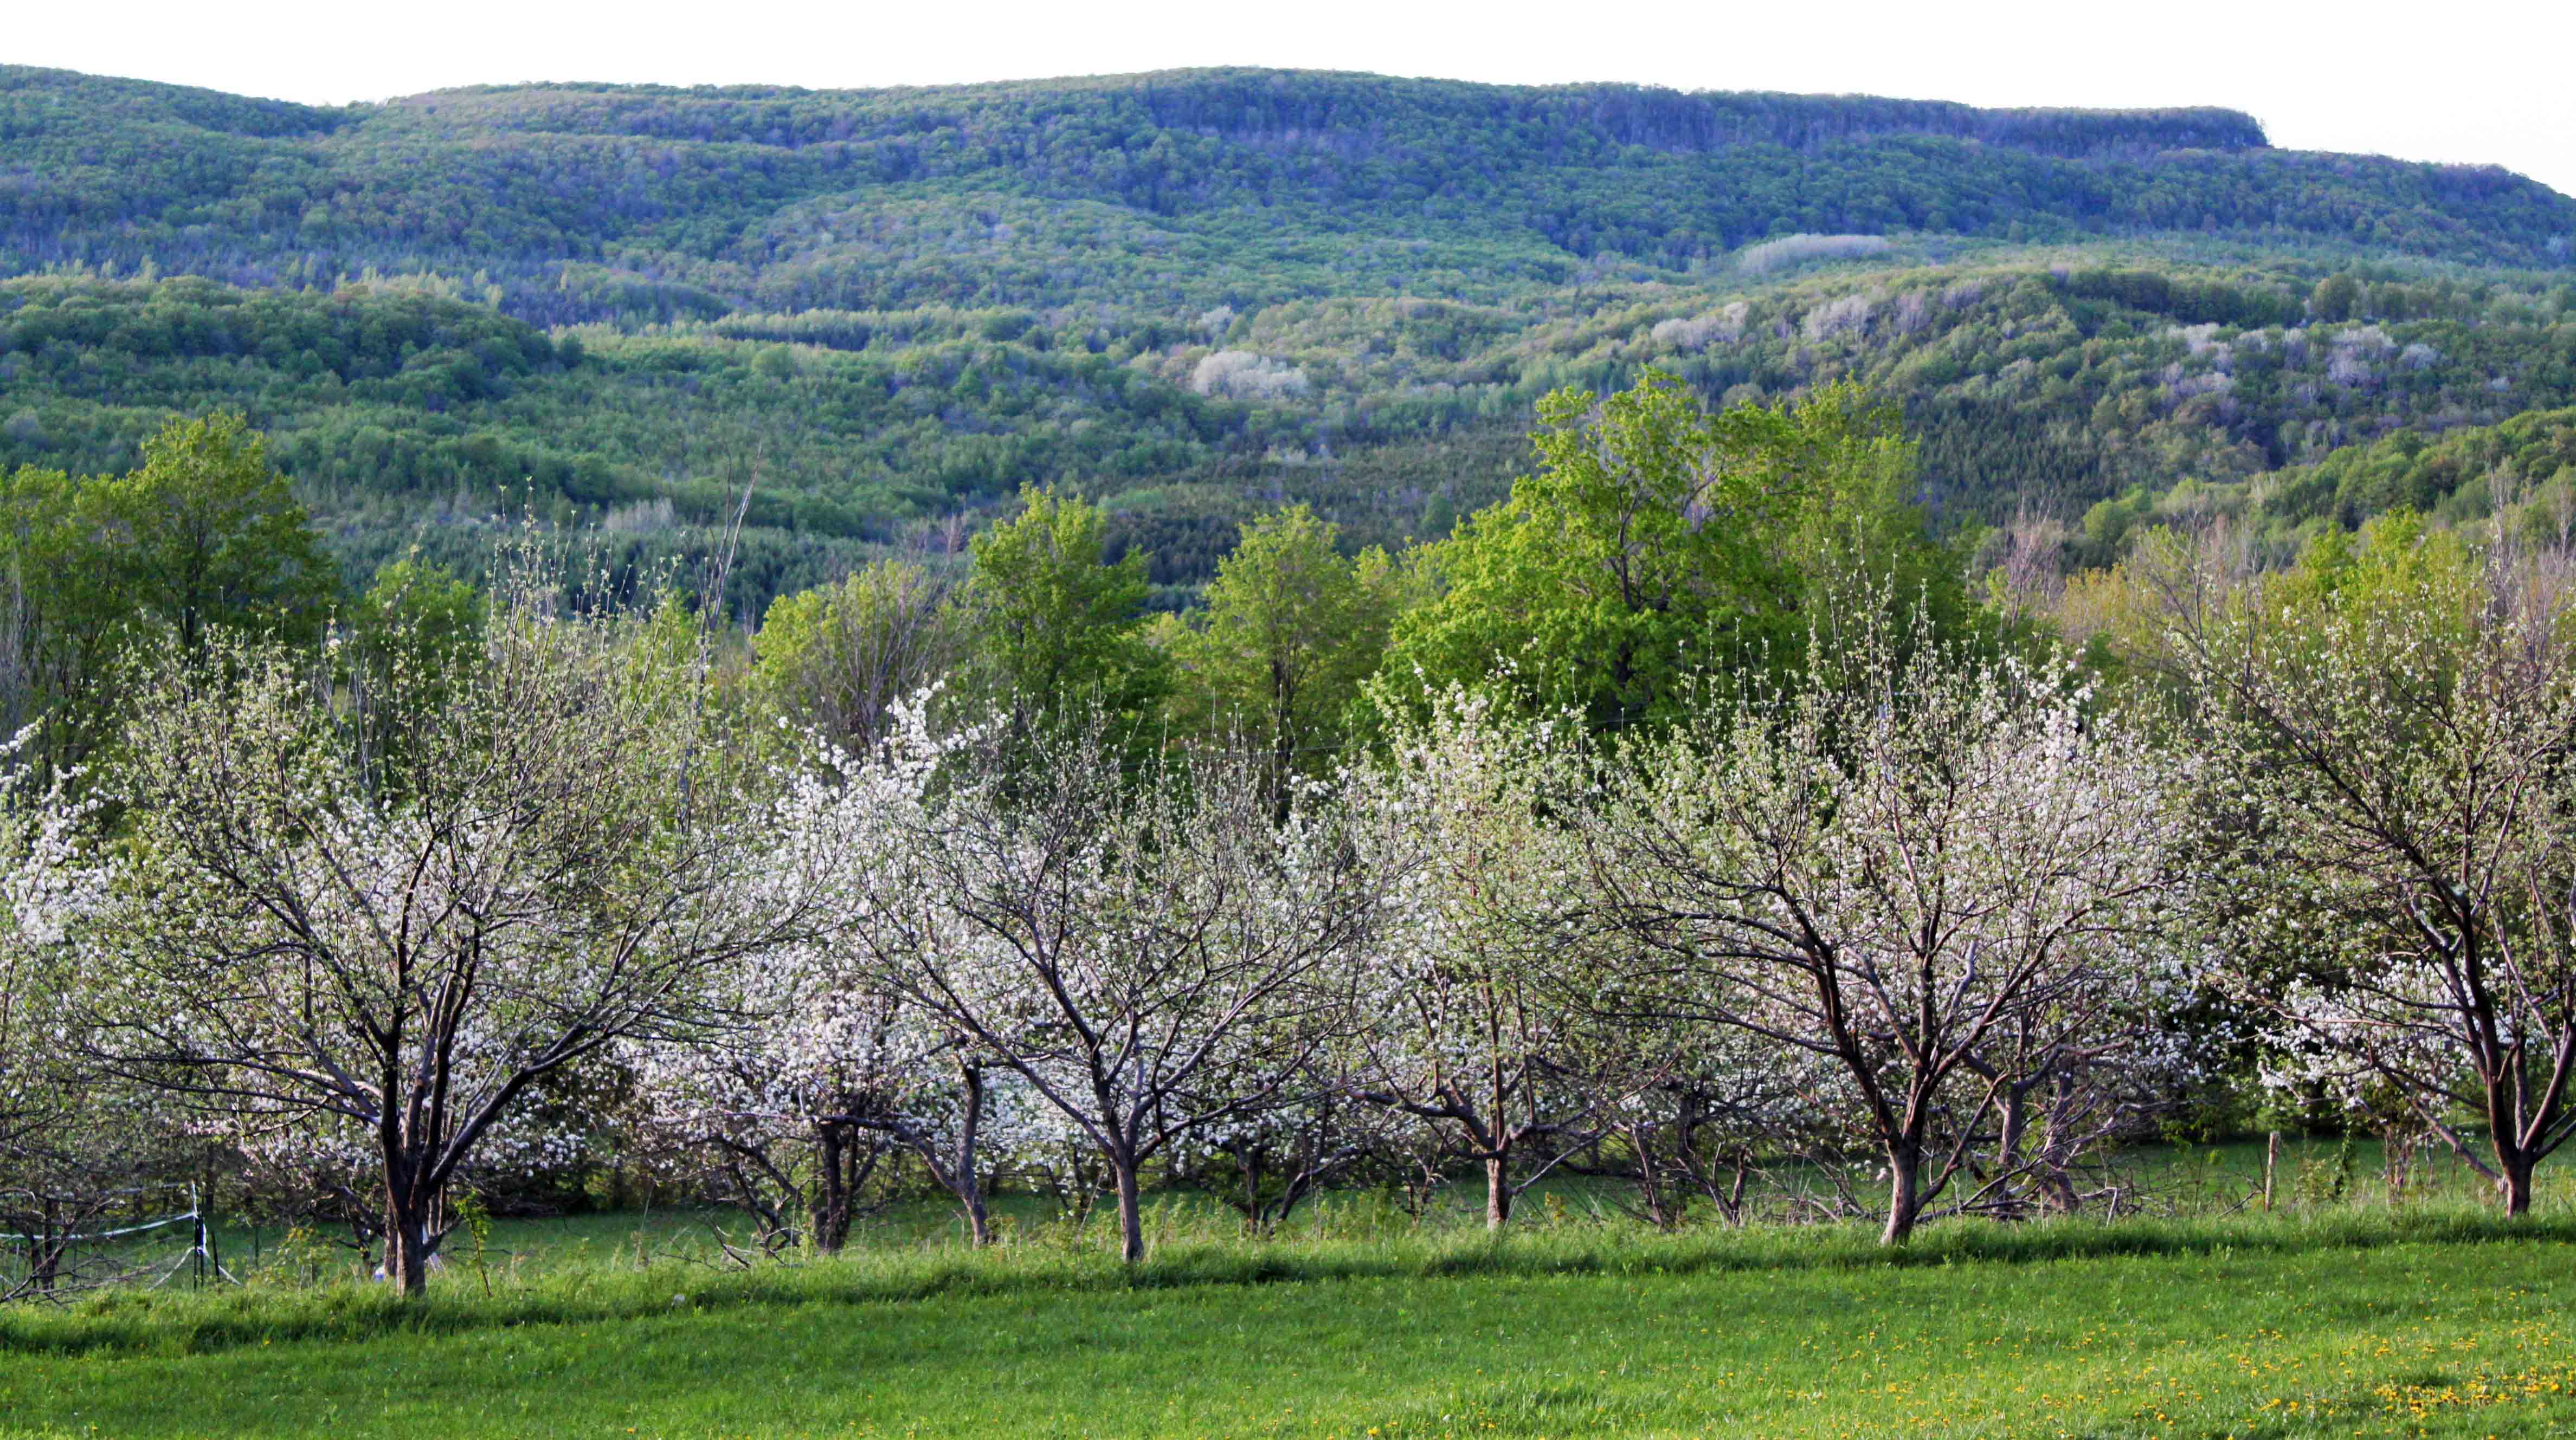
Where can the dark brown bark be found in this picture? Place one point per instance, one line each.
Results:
(2513, 1185)
(1904, 1197)
(1652, 1189)
(1131, 1218)
(965, 1180)
(407, 1245)
(831, 1219)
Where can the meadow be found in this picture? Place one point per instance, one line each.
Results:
(2332, 1315)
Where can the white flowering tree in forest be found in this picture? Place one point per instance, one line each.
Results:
(2389, 793)
(391, 920)
(834, 1063)
(1472, 1000)
(1150, 955)
(69, 1144)
(44, 889)
(754, 1110)
(1931, 870)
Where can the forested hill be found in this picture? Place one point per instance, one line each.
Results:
(1199, 295)
(1231, 186)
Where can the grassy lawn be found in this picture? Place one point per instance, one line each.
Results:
(2435, 1322)
(2196, 1182)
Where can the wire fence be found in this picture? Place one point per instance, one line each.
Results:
(61, 1249)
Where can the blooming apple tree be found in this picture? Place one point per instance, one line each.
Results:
(69, 1143)
(1926, 867)
(399, 947)
(2388, 796)
(1471, 1000)
(1150, 955)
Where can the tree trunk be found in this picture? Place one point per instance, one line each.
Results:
(1131, 1219)
(2015, 1125)
(44, 1250)
(1904, 1203)
(831, 1219)
(970, 1198)
(1652, 1192)
(1498, 1192)
(2513, 1183)
(407, 1245)
(967, 1181)
(2058, 1149)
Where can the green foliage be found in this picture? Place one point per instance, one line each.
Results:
(409, 420)
(834, 659)
(897, 307)
(2518, 474)
(208, 536)
(419, 613)
(1661, 541)
(404, 644)
(204, 537)
(1057, 627)
(1290, 631)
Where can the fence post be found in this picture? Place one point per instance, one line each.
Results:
(2271, 1160)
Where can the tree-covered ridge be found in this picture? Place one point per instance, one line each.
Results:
(1198, 296)
(2523, 469)
(35, 102)
(791, 199)
(1292, 108)
(2050, 380)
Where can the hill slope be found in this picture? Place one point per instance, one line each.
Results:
(1203, 293)
(1233, 186)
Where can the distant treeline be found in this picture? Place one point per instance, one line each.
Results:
(1150, 193)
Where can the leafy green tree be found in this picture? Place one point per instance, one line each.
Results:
(1290, 632)
(421, 609)
(1660, 540)
(1056, 626)
(204, 536)
(835, 658)
(404, 641)
(2337, 297)
(211, 536)
(61, 610)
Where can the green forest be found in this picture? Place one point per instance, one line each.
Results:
(1196, 297)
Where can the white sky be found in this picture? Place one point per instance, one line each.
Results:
(2465, 80)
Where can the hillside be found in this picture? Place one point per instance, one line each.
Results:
(1236, 186)
(1201, 293)
(2524, 467)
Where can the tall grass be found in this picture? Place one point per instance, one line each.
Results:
(635, 1286)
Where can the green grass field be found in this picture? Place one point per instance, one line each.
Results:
(2350, 1318)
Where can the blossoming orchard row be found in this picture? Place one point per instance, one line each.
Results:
(377, 928)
